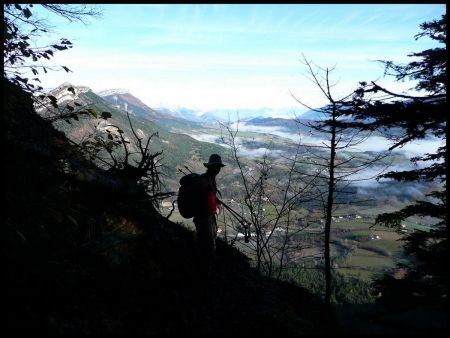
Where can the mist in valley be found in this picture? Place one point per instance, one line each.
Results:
(280, 143)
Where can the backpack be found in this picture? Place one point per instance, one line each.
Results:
(189, 195)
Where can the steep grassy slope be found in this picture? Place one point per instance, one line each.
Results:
(83, 258)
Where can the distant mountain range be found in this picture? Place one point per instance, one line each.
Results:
(123, 99)
(177, 116)
(180, 118)
(247, 114)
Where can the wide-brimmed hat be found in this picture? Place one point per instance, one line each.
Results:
(214, 159)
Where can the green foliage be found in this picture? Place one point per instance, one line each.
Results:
(23, 56)
(20, 51)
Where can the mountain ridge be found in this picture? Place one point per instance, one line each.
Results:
(177, 148)
(107, 92)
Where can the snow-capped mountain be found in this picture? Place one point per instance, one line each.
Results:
(62, 92)
(117, 91)
(63, 95)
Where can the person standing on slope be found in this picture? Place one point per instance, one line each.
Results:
(205, 218)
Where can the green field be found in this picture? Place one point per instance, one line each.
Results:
(368, 261)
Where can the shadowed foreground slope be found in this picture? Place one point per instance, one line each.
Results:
(85, 257)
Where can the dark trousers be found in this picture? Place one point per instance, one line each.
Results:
(206, 227)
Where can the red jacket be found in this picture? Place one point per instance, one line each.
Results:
(212, 202)
(209, 188)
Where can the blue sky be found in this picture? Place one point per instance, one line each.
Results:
(236, 56)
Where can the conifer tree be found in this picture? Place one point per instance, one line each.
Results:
(418, 114)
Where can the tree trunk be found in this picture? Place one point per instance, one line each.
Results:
(329, 208)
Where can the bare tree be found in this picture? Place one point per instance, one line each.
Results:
(271, 203)
(113, 151)
(335, 171)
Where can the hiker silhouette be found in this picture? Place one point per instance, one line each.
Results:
(205, 217)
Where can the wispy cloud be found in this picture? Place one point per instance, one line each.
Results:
(236, 55)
